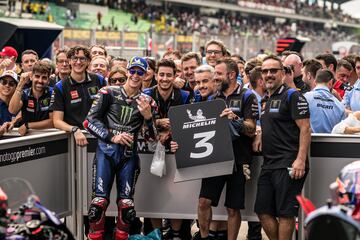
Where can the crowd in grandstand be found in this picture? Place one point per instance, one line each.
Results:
(188, 21)
(85, 88)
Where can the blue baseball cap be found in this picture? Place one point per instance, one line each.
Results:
(138, 62)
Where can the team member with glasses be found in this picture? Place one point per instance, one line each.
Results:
(8, 83)
(214, 50)
(72, 97)
(285, 125)
(117, 76)
(62, 67)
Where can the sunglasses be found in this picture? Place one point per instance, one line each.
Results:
(120, 80)
(271, 70)
(138, 72)
(5, 82)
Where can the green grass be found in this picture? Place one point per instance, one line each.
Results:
(89, 20)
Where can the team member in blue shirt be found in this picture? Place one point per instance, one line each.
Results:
(325, 110)
(351, 99)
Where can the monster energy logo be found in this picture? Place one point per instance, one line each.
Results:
(125, 114)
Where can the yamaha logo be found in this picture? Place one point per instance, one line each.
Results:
(199, 120)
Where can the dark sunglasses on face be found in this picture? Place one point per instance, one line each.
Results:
(138, 72)
(271, 70)
(121, 80)
(5, 82)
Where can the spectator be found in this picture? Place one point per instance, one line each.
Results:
(325, 110)
(350, 125)
(33, 102)
(342, 76)
(352, 98)
(328, 61)
(8, 56)
(294, 62)
(8, 83)
(311, 67)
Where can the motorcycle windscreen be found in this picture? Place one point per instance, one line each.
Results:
(330, 228)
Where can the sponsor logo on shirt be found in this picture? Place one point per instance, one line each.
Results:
(74, 94)
(31, 104)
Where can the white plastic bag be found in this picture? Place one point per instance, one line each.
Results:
(158, 167)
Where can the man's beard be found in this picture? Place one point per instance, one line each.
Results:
(224, 86)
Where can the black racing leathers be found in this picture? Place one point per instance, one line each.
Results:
(112, 113)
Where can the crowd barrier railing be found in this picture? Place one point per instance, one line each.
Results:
(43, 159)
(61, 175)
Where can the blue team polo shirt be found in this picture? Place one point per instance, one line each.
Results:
(351, 99)
(325, 109)
(5, 115)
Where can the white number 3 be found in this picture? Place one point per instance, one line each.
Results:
(206, 136)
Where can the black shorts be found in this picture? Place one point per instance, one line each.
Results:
(276, 193)
(211, 188)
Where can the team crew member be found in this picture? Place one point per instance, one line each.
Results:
(34, 102)
(242, 111)
(117, 76)
(98, 50)
(352, 98)
(325, 110)
(207, 89)
(8, 83)
(99, 65)
(166, 96)
(189, 62)
(28, 59)
(214, 50)
(286, 137)
(72, 97)
(62, 67)
(116, 117)
(149, 80)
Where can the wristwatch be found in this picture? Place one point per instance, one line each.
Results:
(74, 129)
(26, 125)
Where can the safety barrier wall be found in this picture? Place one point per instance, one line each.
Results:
(43, 159)
(52, 175)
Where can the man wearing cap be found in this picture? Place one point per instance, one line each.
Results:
(34, 102)
(72, 97)
(8, 82)
(115, 118)
(8, 56)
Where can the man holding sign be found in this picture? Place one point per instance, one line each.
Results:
(242, 112)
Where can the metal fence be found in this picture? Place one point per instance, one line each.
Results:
(127, 44)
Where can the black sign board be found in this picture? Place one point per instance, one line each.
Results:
(205, 147)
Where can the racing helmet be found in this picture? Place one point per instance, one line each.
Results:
(349, 184)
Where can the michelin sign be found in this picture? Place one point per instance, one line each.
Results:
(205, 147)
